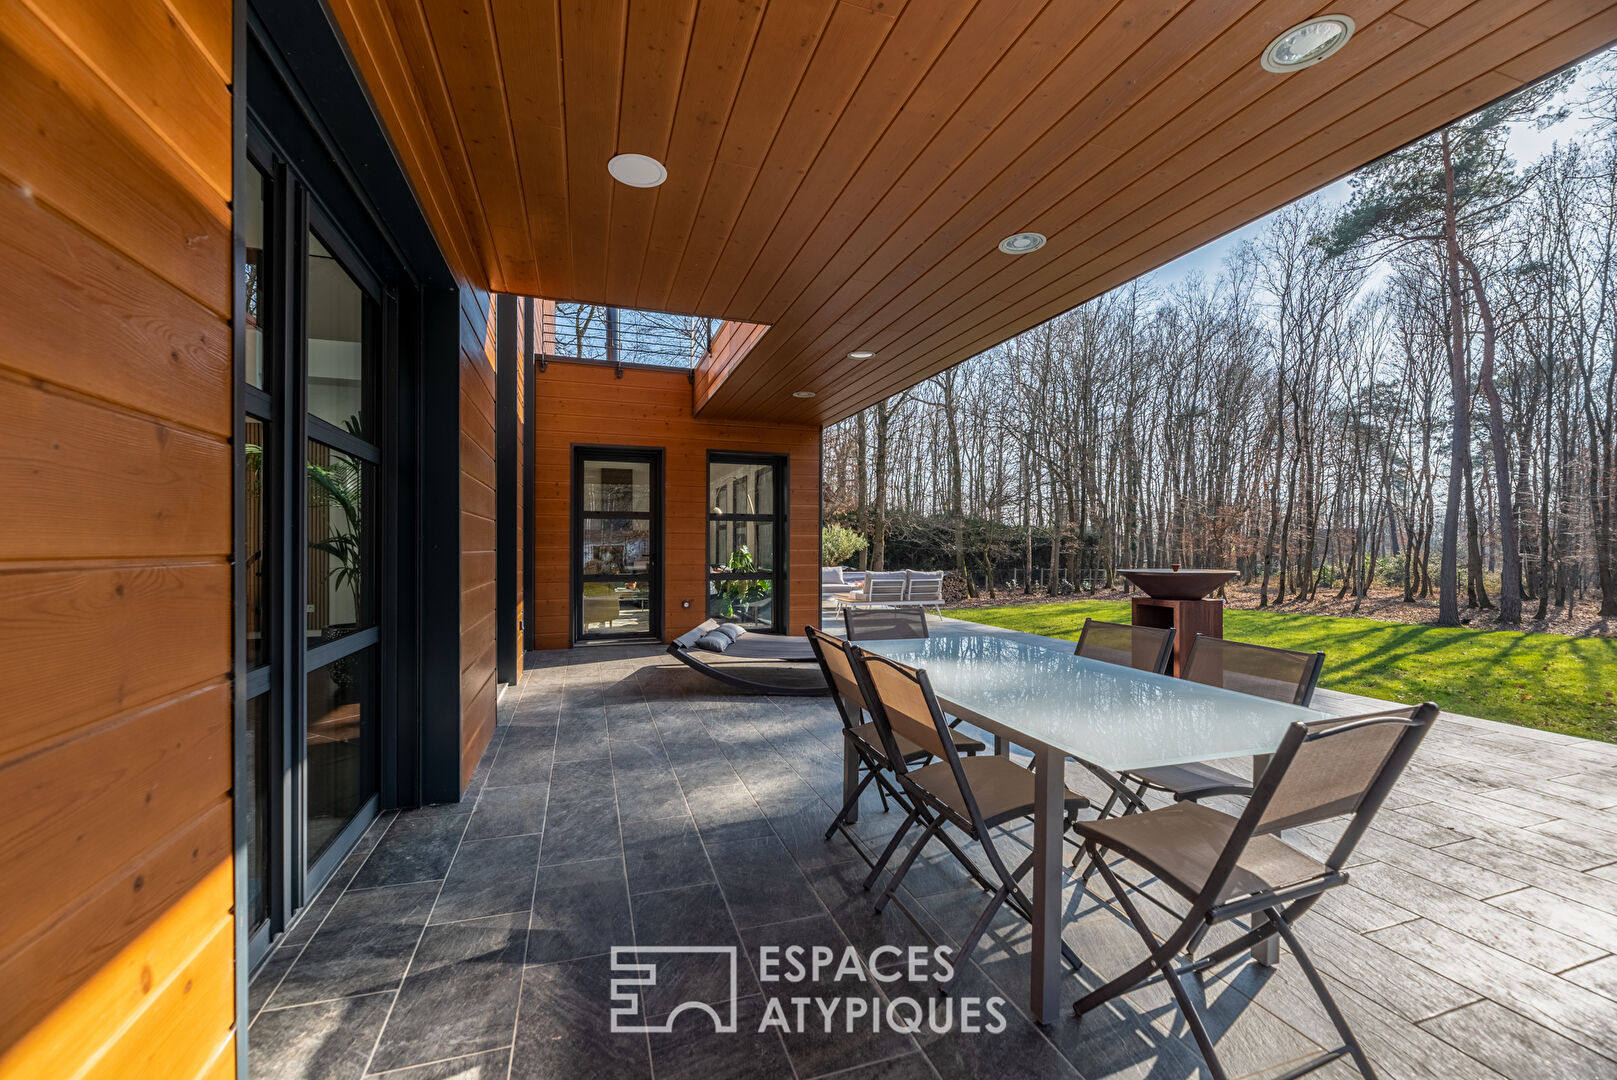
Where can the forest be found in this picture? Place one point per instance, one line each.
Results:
(1413, 389)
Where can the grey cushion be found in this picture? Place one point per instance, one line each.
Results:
(731, 630)
(830, 575)
(715, 642)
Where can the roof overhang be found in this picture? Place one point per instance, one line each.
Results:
(842, 172)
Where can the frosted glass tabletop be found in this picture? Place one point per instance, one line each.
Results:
(1105, 714)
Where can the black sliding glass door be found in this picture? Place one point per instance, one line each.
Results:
(316, 331)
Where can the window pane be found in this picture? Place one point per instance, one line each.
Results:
(338, 589)
(741, 488)
(741, 546)
(341, 745)
(336, 342)
(747, 601)
(257, 566)
(616, 546)
(617, 607)
(258, 811)
(620, 487)
(257, 267)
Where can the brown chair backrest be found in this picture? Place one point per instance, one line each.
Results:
(1276, 674)
(1147, 648)
(1335, 766)
(832, 654)
(898, 702)
(885, 624)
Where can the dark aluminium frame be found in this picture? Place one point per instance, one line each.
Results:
(781, 573)
(291, 216)
(290, 60)
(576, 514)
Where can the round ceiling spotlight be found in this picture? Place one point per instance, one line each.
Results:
(860, 354)
(637, 170)
(803, 393)
(1022, 243)
(1307, 43)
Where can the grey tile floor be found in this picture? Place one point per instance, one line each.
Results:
(627, 801)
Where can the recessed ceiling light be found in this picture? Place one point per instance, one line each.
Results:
(1022, 243)
(637, 170)
(861, 355)
(803, 393)
(1307, 43)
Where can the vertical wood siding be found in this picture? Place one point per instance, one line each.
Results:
(116, 931)
(585, 404)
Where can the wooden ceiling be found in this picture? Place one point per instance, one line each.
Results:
(842, 170)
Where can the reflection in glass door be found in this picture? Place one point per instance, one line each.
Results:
(746, 540)
(617, 544)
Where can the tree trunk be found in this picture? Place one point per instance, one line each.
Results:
(1510, 568)
(1448, 578)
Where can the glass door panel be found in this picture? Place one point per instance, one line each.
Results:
(617, 534)
(340, 746)
(746, 531)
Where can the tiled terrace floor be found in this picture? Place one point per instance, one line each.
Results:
(627, 800)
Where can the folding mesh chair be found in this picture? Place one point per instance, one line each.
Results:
(1231, 868)
(885, 624)
(861, 734)
(972, 795)
(1259, 670)
(1146, 648)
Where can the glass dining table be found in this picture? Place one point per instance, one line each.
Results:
(1112, 718)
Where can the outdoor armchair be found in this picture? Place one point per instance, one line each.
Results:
(1228, 868)
(970, 795)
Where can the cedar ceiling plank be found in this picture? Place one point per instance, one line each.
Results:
(1454, 103)
(1463, 99)
(723, 37)
(785, 43)
(529, 39)
(592, 42)
(379, 53)
(949, 119)
(1226, 182)
(416, 44)
(1577, 43)
(1380, 78)
(654, 65)
(851, 41)
(210, 25)
(463, 38)
(939, 285)
(1041, 172)
(1015, 104)
(873, 128)
(144, 52)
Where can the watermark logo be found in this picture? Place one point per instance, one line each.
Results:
(809, 988)
(628, 1009)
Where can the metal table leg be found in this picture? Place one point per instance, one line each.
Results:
(1048, 823)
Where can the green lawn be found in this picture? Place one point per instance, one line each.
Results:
(1544, 681)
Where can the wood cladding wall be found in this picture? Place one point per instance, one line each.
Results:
(478, 687)
(584, 404)
(116, 931)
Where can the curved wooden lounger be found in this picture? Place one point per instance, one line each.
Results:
(749, 648)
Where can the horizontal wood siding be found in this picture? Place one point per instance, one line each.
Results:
(477, 530)
(583, 404)
(116, 880)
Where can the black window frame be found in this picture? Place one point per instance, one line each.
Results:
(780, 518)
(654, 456)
